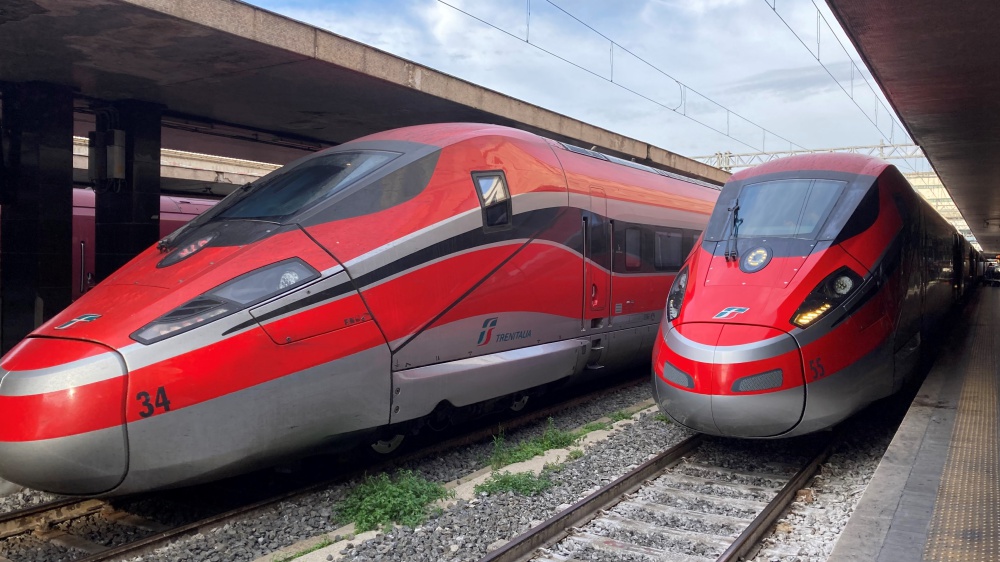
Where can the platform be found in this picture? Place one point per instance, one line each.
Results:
(936, 493)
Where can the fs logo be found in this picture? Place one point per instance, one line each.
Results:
(487, 333)
(81, 318)
(731, 312)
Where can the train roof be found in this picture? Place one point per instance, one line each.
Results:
(825, 161)
(444, 134)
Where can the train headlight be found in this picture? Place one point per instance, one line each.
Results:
(232, 296)
(826, 296)
(842, 285)
(675, 298)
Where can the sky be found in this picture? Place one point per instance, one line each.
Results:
(634, 66)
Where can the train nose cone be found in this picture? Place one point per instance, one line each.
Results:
(729, 379)
(62, 416)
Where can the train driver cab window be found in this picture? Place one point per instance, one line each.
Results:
(294, 188)
(796, 207)
(669, 250)
(633, 249)
(494, 198)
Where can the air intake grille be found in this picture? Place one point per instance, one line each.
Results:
(762, 381)
(676, 376)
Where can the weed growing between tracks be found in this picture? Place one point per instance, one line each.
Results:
(527, 483)
(619, 416)
(524, 483)
(380, 501)
(553, 438)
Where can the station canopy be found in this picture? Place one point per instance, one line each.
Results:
(239, 81)
(939, 66)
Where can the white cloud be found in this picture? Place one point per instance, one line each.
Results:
(736, 52)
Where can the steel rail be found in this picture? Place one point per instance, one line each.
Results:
(26, 520)
(556, 527)
(762, 523)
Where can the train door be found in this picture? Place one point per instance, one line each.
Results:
(904, 301)
(597, 261)
(597, 276)
(83, 242)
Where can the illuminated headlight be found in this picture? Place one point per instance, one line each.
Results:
(232, 296)
(675, 298)
(826, 296)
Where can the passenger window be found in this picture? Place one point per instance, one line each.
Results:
(669, 250)
(494, 198)
(633, 248)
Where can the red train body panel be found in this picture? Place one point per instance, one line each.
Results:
(353, 295)
(812, 289)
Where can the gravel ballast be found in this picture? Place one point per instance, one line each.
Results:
(470, 528)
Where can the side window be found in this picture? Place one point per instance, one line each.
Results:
(633, 248)
(669, 251)
(494, 198)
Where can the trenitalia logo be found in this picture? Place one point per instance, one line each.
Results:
(731, 311)
(81, 318)
(487, 333)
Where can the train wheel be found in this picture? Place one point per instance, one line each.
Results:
(386, 446)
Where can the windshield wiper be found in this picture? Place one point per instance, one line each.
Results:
(732, 243)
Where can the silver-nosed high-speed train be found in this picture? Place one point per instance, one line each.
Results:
(816, 283)
(353, 295)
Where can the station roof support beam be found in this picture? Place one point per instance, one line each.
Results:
(36, 223)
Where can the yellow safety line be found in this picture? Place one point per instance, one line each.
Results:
(967, 508)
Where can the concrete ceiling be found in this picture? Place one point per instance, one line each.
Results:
(221, 64)
(939, 65)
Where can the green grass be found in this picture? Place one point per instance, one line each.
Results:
(379, 501)
(594, 426)
(553, 467)
(662, 418)
(321, 544)
(574, 454)
(553, 438)
(524, 483)
(619, 416)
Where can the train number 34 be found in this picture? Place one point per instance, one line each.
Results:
(151, 403)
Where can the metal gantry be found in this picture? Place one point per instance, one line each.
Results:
(729, 161)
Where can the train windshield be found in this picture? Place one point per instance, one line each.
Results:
(795, 207)
(302, 185)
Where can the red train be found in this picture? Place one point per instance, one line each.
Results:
(815, 285)
(356, 295)
(175, 211)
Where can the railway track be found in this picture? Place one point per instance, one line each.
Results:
(681, 505)
(47, 522)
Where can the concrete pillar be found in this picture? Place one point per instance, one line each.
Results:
(37, 207)
(127, 213)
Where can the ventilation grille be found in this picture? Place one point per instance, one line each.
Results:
(762, 381)
(676, 376)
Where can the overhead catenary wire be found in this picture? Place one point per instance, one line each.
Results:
(681, 107)
(855, 69)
